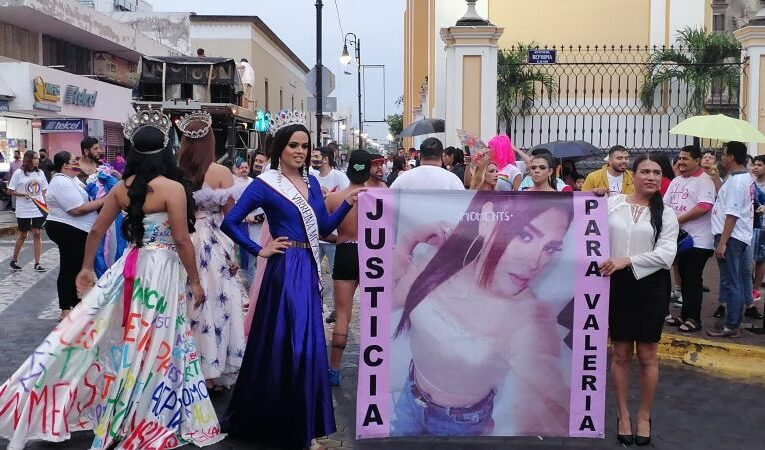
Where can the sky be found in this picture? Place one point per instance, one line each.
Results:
(377, 23)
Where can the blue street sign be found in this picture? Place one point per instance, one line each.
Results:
(544, 56)
(62, 126)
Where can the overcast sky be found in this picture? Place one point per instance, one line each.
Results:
(378, 23)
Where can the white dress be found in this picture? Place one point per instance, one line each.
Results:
(217, 324)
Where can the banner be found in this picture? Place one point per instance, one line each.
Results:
(482, 313)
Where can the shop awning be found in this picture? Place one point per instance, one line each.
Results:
(5, 91)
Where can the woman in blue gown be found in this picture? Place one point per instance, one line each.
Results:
(283, 397)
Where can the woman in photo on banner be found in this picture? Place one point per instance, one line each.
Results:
(283, 397)
(476, 330)
(123, 363)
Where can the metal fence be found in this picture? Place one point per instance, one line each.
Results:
(597, 99)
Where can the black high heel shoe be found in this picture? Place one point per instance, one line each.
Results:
(625, 439)
(644, 440)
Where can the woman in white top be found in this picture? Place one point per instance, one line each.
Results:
(70, 218)
(28, 186)
(643, 237)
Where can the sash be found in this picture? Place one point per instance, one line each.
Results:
(286, 189)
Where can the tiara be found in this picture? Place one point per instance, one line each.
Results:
(286, 118)
(147, 118)
(196, 116)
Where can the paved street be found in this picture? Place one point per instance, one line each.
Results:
(692, 410)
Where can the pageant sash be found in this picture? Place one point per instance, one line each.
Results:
(286, 189)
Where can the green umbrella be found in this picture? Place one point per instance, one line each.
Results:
(718, 126)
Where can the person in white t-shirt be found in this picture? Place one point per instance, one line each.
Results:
(28, 185)
(430, 174)
(691, 196)
(732, 218)
(331, 180)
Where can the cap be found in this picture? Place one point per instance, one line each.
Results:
(359, 164)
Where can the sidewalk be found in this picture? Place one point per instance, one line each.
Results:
(8, 223)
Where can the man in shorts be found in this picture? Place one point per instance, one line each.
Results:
(346, 270)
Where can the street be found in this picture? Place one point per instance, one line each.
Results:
(692, 410)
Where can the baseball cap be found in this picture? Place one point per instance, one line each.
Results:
(359, 164)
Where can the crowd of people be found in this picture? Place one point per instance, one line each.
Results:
(267, 225)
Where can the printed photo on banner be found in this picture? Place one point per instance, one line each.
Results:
(482, 314)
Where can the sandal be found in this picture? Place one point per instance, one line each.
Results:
(673, 321)
(690, 326)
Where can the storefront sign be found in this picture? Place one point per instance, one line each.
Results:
(47, 95)
(36, 123)
(62, 126)
(80, 97)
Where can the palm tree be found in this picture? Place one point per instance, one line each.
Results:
(700, 61)
(518, 84)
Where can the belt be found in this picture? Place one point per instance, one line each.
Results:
(421, 397)
(349, 243)
(296, 244)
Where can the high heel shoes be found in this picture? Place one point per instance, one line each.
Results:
(625, 439)
(644, 440)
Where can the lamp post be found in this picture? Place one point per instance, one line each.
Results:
(345, 58)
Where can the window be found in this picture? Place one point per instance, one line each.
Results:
(281, 99)
(718, 23)
(72, 58)
(266, 101)
(293, 103)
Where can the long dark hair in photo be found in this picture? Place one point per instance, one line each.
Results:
(146, 167)
(282, 138)
(514, 213)
(656, 202)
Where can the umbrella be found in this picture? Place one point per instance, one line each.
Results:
(718, 126)
(575, 150)
(424, 126)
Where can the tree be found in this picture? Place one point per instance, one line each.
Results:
(395, 124)
(518, 84)
(701, 60)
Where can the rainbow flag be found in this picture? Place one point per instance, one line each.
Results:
(41, 206)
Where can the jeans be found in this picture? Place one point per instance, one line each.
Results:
(71, 250)
(691, 264)
(327, 249)
(416, 414)
(735, 279)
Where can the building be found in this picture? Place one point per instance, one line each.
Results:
(66, 71)
(599, 46)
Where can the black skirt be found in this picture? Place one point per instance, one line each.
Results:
(638, 307)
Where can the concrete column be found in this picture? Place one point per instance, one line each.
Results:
(752, 38)
(471, 77)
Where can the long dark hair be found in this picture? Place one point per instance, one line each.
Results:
(516, 211)
(664, 163)
(145, 168)
(282, 138)
(196, 155)
(552, 179)
(399, 162)
(27, 165)
(656, 202)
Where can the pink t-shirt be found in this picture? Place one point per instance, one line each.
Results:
(683, 195)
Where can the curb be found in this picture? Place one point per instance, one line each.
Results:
(724, 358)
(8, 231)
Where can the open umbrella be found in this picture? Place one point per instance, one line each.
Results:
(718, 126)
(424, 126)
(574, 150)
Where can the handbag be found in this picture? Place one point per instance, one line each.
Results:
(684, 242)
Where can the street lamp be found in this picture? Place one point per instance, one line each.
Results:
(345, 58)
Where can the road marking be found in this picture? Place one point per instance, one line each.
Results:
(51, 312)
(6, 252)
(15, 284)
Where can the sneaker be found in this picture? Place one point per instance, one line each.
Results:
(677, 293)
(334, 377)
(752, 313)
(331, 318)
(39, 268)
(677, 302)
(724, 332)
(15, 267)
(719, 312)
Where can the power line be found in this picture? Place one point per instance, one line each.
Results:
(337, 9)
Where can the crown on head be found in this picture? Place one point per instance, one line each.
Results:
(286, 118)
(147, 118)
(196, 116)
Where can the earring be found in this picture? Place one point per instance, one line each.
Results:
(478, 249)
(305, 177)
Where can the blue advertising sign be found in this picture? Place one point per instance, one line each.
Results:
(543, 56)
(62, 126)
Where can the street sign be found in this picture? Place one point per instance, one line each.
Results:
(327, 81)
(329, 104)
(542, 56)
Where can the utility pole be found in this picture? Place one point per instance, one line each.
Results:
(319, 73)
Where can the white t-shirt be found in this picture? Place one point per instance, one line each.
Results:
(509, 171)
(333, 182)
(32, 183)
(736, 198)
(683, 194)
(64, 194)
(615, 183)
(428, 177)
(527, 182)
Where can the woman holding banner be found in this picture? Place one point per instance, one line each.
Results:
(643, 236)
(466, 348)
(283, 397)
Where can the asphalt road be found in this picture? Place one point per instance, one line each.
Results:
(692, 410)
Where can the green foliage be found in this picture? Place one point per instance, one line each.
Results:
(700, 60)
(519, 84)
(395, 124)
